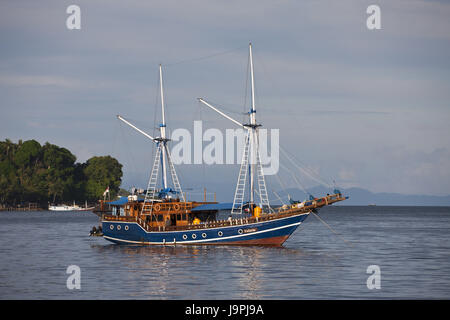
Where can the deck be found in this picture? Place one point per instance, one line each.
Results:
(281, 212)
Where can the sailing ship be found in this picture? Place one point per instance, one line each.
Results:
(164, 216)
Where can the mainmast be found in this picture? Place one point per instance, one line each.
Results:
(253, 110)
(251, 160)
(253, 131)
(162, 129)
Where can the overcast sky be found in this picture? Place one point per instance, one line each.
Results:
(366, 108)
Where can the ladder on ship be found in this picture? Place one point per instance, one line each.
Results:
(239, 194)
(152, 182)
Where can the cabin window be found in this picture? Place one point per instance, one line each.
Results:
(178, 216)
(183, 216)
(160, 217)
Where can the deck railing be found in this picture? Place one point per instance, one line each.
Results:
(203, 225)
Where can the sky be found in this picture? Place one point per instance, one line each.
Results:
(365, 108)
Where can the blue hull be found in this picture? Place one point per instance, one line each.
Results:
(272, 232)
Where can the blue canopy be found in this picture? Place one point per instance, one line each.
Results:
(214, 206)
(122, 201)
(119, 202)
(163, 193)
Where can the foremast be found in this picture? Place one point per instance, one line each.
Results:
(162, 159)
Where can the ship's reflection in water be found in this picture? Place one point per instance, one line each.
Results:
(193, 272)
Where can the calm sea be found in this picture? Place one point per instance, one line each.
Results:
(410, 245)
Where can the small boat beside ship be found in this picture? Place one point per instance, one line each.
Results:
(65, 207)
(164, 216)
(62, 207)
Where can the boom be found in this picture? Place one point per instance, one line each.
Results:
(220, 112)
(136, 128)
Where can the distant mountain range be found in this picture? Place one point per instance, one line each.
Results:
(363, 197)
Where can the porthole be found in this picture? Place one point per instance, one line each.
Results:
(220, 233)
(119, 227)
(126, 228)
(111, 227)
(240, 231)
(194, 236)
(204, 235)
(184, 236)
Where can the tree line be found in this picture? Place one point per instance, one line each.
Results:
(46, 174)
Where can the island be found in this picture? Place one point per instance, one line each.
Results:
(33, 176)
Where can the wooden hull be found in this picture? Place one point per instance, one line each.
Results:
(272, 232)
(274, 241)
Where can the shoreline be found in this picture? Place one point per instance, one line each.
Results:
(23, 209)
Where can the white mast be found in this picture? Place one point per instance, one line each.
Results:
(253, 111)
(253, 130)
(162, 128)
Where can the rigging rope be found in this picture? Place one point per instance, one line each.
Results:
(295, 178)
(308, 172)
(200, 115)
(328, 226)
(247, 74)
(129, 155)
(279, 198)
(205, 57)
(114, 141)
(283, 187)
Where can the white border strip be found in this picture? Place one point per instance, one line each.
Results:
(206, 240)
(232, 226)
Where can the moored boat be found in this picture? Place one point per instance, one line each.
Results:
(164, 216)
(197, 223)
(63, 207)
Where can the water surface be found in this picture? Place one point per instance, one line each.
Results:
(411, 245)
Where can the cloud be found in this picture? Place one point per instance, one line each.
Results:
(38, 80)
(347, 175)
(345, 99)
